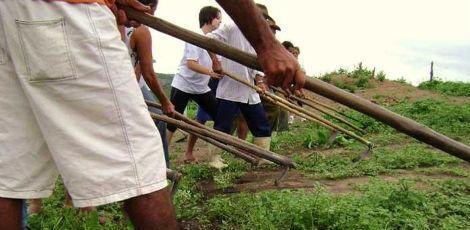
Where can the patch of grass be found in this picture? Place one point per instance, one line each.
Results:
(280, 140)
(188, 198)
(382, 160)
(447, 87)
(412, 156)
(191, 109)
(381, 206)
(452, 120)
(360, 75)
(401, 80)
(235, 169)
(285, 142)
(55, 216)
(447, 170)
(389, 138)
(316, 138)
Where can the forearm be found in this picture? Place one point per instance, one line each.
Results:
(154, 85)
(254, 26)
(198, 68)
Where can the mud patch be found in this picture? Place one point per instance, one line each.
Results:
(257, 181)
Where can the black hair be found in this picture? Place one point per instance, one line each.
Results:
(287, 44)
(207, 14)
(149, 2)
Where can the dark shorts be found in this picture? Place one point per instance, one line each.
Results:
(254, 115)
(202, 116)
(180, 100)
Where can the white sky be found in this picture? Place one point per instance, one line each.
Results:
(400, 37)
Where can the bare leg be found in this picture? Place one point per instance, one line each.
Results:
(35, 206)
(152, 211)
(191, 143)
(10, 213)
(242, 129)
(188, 156)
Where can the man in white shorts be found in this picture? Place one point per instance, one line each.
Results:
(70, 105)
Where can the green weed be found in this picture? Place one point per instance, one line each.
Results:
(381, 76)
(447, 87)
(55, 216)
(382, 160)
(401, 80)
(316, 138)
(381, 206)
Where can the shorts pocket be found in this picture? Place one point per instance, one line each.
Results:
(46, 50)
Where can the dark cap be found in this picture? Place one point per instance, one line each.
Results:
(264, 11)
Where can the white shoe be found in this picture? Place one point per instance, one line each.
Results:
(217, 162)
(291, 119)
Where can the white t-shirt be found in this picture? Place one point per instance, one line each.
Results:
(187, 80)
(229, 89)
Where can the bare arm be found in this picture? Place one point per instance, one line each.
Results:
(143, 46)
(198, 68)
(280, 67)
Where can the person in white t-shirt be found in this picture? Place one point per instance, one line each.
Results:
(194, 72)
(234, 97)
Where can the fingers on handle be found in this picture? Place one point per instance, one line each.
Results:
(299, 79)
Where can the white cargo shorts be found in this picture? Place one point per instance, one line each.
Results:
(70, 105)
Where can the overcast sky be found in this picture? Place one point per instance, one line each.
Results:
(400, 37)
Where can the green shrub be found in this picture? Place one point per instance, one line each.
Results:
(447, 87)
(362, 82)
(361, 72)
(327, 77)
(381, 76)
(316, 138)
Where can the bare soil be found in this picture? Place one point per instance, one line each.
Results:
(262, 180)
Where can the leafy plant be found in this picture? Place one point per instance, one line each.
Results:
(342, 140)
(381, 76)
(315, 139)
(327, 77)
(447, 87)
(362, 82)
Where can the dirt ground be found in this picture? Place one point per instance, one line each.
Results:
(261, 180)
